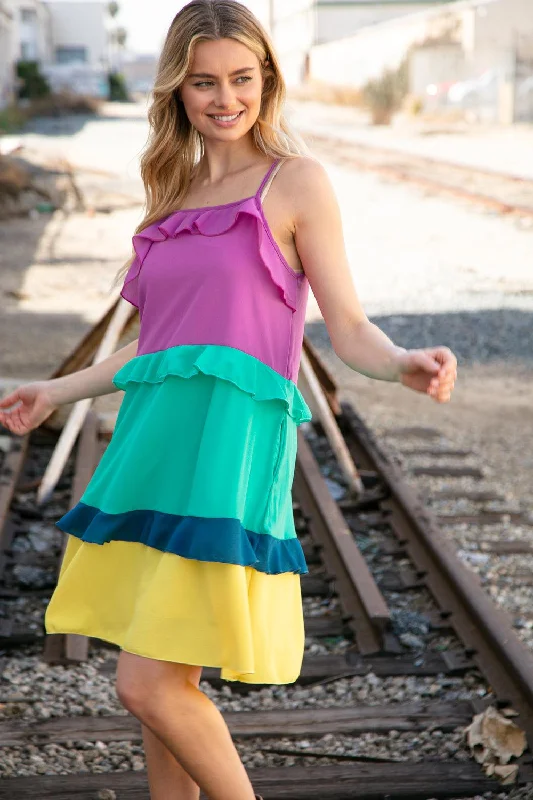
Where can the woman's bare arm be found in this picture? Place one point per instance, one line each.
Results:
(358, 342)
(92, 381)
(30, 404)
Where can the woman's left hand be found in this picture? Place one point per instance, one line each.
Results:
(432, 370)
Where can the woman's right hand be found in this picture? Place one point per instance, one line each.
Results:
(32, 404)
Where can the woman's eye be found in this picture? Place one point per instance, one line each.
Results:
(243, 78)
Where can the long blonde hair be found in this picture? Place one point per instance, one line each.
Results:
(174, 146)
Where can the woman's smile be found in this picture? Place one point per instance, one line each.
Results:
(226, 120)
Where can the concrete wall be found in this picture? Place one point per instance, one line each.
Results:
(79, 26)
(438, 63)
(355, 59)
(367, 53)
(470, 40)
(293, 31)
(7, 48)
(336, 18)
(32, 30)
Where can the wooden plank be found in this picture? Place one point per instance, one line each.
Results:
(484, 518)
(12, 463)
(504, 548)
(401, 579)
(476, 496)
(59, 647)
(436, 452)
(438, 620)
(448, 472)
(327, 382)
(84, 352)
(326, 417)
(315, 587)
(319, 668)
(322, 626)
(417, 431)
(358, 592)
(396, 781)
(81, 408)
(326, 625)
(243, 724)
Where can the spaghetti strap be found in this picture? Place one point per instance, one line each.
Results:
(267, 176)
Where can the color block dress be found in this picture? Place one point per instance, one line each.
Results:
(183, 546)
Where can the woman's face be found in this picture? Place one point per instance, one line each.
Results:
(222, 90)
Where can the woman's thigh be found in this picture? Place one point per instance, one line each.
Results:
(140, 680)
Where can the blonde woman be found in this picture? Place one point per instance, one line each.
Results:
(182, 549)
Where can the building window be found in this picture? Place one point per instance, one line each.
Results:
(28, 15)
(28, 51)
(71, 55)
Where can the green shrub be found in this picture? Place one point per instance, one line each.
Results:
(33, 83)
(117, 87)
(384, 95)
(12, 118)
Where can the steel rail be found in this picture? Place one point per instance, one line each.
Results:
(485, 630)
(365, 608)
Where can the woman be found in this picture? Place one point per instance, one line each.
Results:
(192, 498)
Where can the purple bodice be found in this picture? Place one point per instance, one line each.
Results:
(215, 275)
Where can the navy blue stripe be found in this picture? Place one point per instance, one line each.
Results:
(202, 538)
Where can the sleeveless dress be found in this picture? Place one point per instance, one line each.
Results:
(183, 546)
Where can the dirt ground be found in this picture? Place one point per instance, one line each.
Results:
(491, 412)
(57, 271)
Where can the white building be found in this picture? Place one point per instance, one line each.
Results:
(7, 46)
(338, 18)
(68, 38)
(78, 32)
(485, 45)
(32, 31)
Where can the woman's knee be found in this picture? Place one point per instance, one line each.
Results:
(143, 683)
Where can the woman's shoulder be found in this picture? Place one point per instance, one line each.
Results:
(304, 169)
(305, 180)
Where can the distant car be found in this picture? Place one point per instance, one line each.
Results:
(474, 91)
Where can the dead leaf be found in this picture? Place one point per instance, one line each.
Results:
(507, 772)
(494, 740)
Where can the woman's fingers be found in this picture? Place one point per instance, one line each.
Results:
(442, 384)
(9, 399)
(443, 390)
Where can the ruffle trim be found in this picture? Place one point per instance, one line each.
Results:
(201, 538)
(215, 222)
(245, 371)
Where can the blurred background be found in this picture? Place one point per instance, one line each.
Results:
(471, 59)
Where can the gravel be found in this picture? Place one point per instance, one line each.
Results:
(31, 690)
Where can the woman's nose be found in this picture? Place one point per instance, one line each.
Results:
(224, 96)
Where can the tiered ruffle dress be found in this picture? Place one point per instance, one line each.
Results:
(183, 546)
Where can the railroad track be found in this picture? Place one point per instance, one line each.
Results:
(379, 570)
(505, 194)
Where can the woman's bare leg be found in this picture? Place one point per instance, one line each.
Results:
(163, 697)
(166, 777)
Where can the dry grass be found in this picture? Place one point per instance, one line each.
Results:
(13, 117)
(319, 92)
